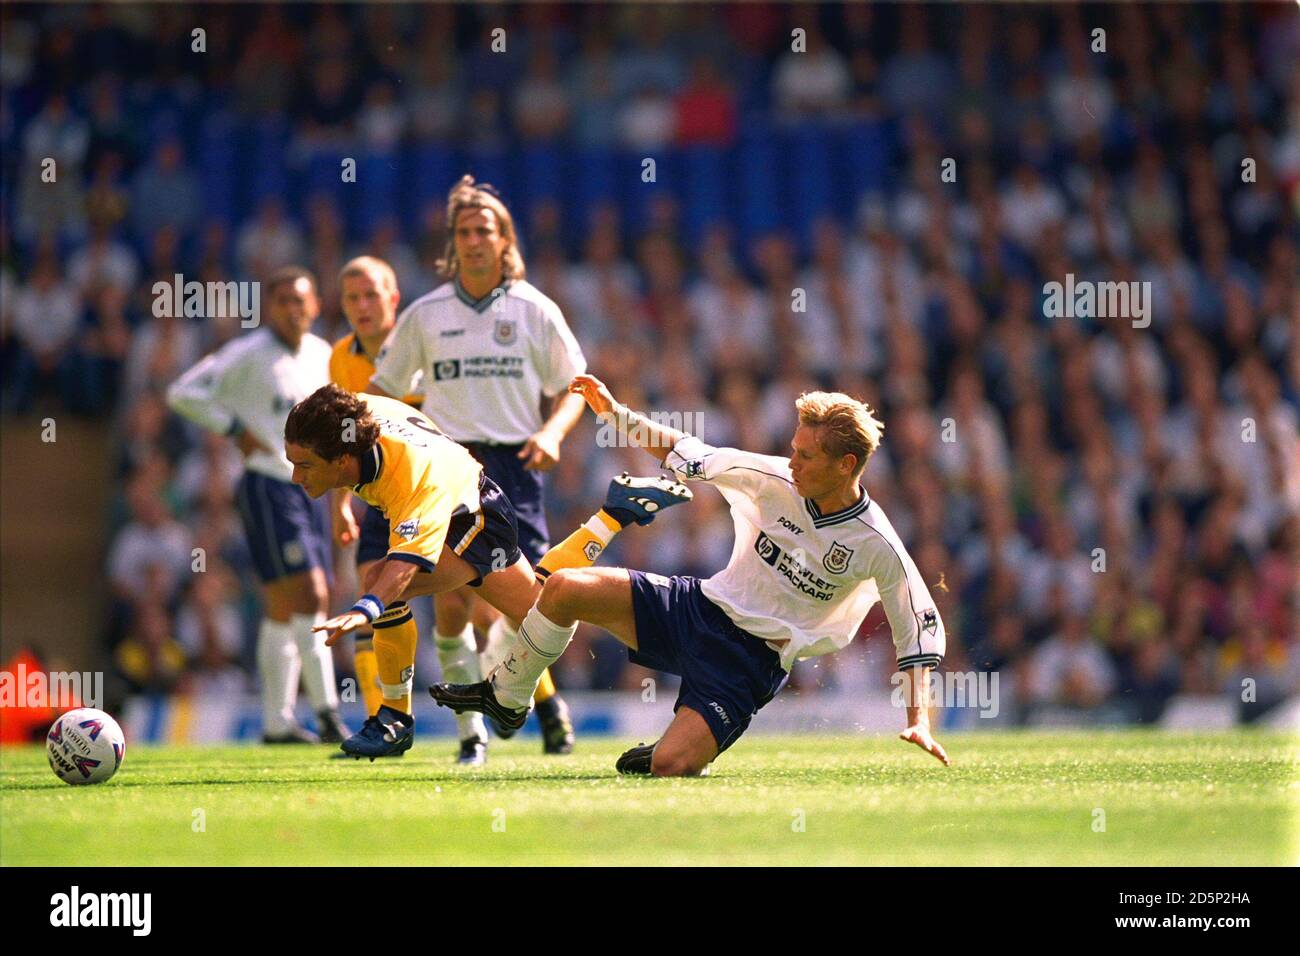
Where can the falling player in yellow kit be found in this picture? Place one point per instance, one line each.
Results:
(451, 526)
(369, 297)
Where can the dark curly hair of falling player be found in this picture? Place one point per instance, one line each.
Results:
(320, 423)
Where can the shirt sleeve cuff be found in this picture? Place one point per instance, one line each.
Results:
(681, 453)
(920, 660)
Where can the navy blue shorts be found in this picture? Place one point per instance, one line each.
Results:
(489, 538)
(288, 532)
(373, 541)
(727, 674)
(502, 464)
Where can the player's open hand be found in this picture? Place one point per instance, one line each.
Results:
(919, 734)
(336, 627)
(596, 393)
(541, 452)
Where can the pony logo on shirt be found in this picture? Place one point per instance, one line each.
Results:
(505, 332)
(409, 529)
(837, 558)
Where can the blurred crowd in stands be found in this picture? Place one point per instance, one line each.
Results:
(1108, 515)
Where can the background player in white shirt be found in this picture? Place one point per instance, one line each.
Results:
(812, 555)
(491, 347)
(245, 390)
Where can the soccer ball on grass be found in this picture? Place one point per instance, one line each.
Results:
(85, 746)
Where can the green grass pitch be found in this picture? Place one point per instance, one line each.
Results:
(1010, 798)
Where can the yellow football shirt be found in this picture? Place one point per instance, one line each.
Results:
(352, 368)
(420, 479)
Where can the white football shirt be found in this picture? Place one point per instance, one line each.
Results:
(486, 363)
(253, 381)
(801, 580)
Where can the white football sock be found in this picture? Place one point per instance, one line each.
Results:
(458, 656)
(317, 662)
(537, 646)
(277, 664)
(499, 636)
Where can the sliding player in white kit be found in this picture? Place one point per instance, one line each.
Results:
(813, 554)
(490, 347)
(245, 390)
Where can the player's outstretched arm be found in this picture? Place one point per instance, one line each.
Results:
(658, 440)
(389, 585)
(916, 686)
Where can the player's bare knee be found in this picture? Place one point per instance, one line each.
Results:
(560, 592)
(670, 763)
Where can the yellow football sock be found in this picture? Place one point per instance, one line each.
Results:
(367, 668)
(582, 548)
(395, 639)
(545, 687)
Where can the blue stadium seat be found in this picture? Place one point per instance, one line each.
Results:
(270, 137)
(375, 198)
(542, 168)
(433, 171)
(810, 173)
(704, 192)
(490, 166)
(324, 176)
(214, 159)
(591, 185)
(866, 153)
(636, 195)
(758, 185)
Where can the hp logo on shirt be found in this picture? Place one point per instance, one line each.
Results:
(767, 549)
(446, 370)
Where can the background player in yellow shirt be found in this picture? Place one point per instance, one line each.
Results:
(451, 526)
